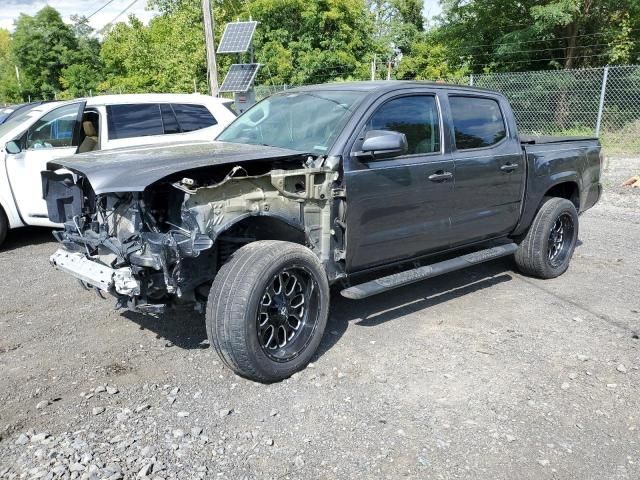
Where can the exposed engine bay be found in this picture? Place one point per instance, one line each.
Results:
(164, 245)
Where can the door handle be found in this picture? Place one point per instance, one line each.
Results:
(509, 167)
(440, 176)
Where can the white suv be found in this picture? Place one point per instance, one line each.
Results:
(61, 129)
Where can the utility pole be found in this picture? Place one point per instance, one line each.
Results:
(212, 66)
(373, 68)
(18, 78)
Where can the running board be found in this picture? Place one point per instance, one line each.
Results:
(396, 280)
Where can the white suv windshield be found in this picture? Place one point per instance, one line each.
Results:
(305, 121)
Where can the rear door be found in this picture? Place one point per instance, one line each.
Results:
(398, 208)
(489, 168)
(55, 135)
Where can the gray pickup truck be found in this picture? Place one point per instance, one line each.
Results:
(318, 186)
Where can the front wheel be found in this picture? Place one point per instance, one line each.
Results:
(547, 248)
(268, 309)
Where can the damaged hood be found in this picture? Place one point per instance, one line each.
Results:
(133, 169)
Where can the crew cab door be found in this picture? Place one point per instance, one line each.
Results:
(489, 168)
(56, 134)
(398, 208)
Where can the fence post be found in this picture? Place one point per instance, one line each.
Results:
(471, 79)
(605, 75)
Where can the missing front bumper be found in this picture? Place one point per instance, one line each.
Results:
(96, 274)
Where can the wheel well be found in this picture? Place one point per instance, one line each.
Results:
(256, 228)
(568, 190)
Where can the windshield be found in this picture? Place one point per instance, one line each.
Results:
(305, 121)
(14, 121)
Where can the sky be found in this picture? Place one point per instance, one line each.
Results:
(11, 9)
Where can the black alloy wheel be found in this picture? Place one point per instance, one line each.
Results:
(288, 313)
(560, 242)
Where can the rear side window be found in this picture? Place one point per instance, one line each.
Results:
(477, 122)
(193, 117)
(135, 120)
(416, 116)
(169, 119)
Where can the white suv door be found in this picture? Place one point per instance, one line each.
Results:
(55, 135)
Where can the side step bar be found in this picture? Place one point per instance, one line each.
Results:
(396, 280)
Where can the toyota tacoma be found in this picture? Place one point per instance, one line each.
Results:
(312, 187)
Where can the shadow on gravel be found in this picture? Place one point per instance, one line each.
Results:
(181, 328)
(186, 329)
(22, 237)
(412, 298)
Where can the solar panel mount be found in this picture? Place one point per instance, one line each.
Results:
(240, 77)
(237, 37)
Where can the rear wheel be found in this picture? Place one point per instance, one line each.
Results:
(268, 309)
(4, 226)
(548, 246)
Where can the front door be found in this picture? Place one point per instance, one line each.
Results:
(489, 170)
(55, 135)
(398, 208)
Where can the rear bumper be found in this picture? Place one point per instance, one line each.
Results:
(118, 281)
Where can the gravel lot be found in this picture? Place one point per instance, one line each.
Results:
(481, 374)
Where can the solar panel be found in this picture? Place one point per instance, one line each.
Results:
(237, 37)
(240, 77)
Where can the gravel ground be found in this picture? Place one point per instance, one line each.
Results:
(481, 374)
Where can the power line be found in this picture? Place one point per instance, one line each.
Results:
(121, 13)
(538, 60)
(467, 47)
(102, 7)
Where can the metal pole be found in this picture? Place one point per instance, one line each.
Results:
(603, 92)
(212, 67)
(471, 80)
(373, 69)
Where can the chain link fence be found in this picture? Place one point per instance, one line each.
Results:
(603, 102)
(597, 101)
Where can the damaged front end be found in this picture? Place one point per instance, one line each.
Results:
(164, 245)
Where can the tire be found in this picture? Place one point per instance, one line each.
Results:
(259, 297)
(547, 248)
(4, 226)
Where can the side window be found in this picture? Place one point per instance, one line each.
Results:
(55, 129)
(169, 119)
(193, 117)
(135, 120)
(477, 122)
(416, 116)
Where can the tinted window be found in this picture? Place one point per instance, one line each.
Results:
(55, 129)
(415, 116)
(169, 119)
(478, 122)
(193, 117)
(140, 120)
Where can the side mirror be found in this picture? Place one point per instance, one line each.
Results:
(12, 147)
(380, 144)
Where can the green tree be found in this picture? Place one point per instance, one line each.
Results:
(301, 42)
(9, 89)
(490, 35)
(428, 60)
(82, 76)
(168, 55)
(42, 46)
